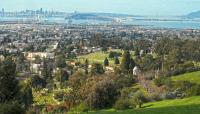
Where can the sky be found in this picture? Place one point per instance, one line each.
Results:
(134, 7)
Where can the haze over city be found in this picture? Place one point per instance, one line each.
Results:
(134, 7)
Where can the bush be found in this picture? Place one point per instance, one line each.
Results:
(59, 95)
(138, 99)
(113, 54)
(102, 94)
(183, 85)
(11, 108)
(187, 64)
(158, 82)
(193, 91)
(122, 104)
(186, 88)
(181, 71)
(80, 108)
(97, 68)
(175, 94)
(163, 81)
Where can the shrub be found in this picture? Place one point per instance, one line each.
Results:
(138, 98)
(183, 85)
(80, 108)
(59, 95)
(163, 81)
(158, 81)
(186, 88)
(122, 104)
(175, 94)
(113, 54)
(97, 68)
(181, 71)
(11, 108)
(193, 91)
(102, 95)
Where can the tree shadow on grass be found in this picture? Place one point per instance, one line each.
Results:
(147, 106)
(189, 109)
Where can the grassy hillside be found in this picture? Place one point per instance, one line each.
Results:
(192, 77)
(178, 106)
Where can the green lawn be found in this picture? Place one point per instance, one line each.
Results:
(94, 57)
(192, 77)
(99, 57)
(178, 106)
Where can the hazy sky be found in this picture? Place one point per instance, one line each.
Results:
(136, 7)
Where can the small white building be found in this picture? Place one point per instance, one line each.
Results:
(136, 71)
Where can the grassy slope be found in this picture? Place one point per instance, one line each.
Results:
(192, 77)
(178, 106)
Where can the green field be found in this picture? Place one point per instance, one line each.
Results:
(178, 106)
(193, 77)
(99, 57)
(94, 57)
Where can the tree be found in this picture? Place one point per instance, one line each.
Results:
(77, 79)
(137, 52)
(11, 108)
(138, 99)
(37, 60)
(47, 69)
(106, 62)
(60, 61)
(102, 93)
(126, 58)
(9, 88)
(27, 96)
(116, 61)
(62, 75)
(37, 82)
(111, 54)
(97, 69)
(114, 54)
(20, 63)
(104, 49)
(86, 66)
(131, 64)
(29, 48)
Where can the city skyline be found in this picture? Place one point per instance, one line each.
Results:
(133, 7)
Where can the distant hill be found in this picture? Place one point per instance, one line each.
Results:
(98, 16)
(193, 15)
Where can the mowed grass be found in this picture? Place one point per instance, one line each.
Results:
(193, 77)
(95, 57)
(178, 106)
(100, 56)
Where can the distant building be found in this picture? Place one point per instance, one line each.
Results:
(3, 11)
(32, 55)
(2, 57)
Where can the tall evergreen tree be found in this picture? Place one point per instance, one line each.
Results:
(137, 52)
(126, 59)
(86, 66)
(97, 69)
(9, 89)
(106, 62)
(117, 61)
